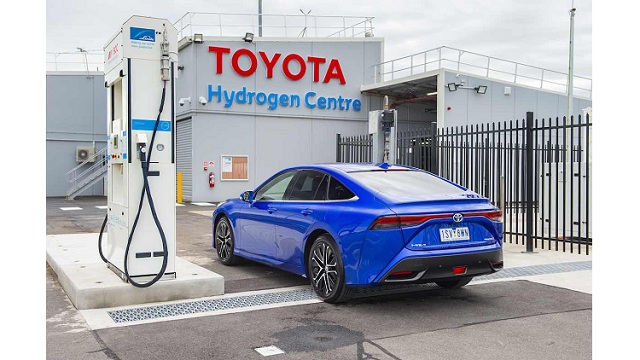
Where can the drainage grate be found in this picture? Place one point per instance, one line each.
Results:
(202, 306)
(537, 270)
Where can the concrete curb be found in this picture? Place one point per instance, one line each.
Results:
(89, 284)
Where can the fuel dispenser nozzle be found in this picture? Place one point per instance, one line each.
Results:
(141, 146)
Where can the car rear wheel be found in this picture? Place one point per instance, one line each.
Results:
(326, 271)
(454, 284)
(225, 242)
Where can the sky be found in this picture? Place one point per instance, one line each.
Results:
(530, 32)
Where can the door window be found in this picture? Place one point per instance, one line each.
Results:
(337, 191)
(307, 186)
(276, 188)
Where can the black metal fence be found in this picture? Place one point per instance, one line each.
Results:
(537, 171)
(354, 149)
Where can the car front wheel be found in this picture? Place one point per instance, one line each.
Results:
(225, 242)
(326, 271)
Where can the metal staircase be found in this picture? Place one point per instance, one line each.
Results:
(81, 177)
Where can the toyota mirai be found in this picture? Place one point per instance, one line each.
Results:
(345, 226)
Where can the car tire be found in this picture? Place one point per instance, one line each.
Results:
(454, 284)
(225, 242)
(326, 271)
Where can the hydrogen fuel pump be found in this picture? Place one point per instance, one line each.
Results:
(383, 127)
(140, 240)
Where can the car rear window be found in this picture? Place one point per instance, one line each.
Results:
(405, 182)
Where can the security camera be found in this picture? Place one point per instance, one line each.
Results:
(182, 101)
(202, 100)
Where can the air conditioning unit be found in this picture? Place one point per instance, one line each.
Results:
(85, 154)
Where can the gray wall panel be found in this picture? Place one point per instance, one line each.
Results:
(502, 106)
(76, 116)
(215, 135)
(470, 108)
(60, 158)
(280, 143)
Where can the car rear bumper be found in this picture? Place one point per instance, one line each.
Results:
(421, 269)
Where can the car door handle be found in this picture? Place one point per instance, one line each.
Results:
(306, 212)
(271, 210)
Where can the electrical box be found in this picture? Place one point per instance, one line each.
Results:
(382, 125)
(388, 118)
(85, 154)
(565, 203)
(140, 66)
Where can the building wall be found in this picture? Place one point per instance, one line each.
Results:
(277, 137)
(271, 138)
(470, 108)
(76, 116)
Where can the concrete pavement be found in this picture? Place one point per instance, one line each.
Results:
(538, 307)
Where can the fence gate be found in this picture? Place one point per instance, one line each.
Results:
(537, 171)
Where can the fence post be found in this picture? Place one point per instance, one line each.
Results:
(433, 153)
(338, 155)
(529, 181)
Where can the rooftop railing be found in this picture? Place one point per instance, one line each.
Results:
(480, 65)
(213, 24)
(89, 61)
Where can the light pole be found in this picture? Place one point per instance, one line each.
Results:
(570, 76)
(259, 18)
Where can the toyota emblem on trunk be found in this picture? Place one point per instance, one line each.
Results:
(457, 217)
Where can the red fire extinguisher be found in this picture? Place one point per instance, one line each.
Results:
(212, 180)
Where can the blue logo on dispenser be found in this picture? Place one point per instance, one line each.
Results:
(149, 125)
(142, 34)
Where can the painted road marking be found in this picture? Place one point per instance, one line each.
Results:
(70, 208)
(269, 350)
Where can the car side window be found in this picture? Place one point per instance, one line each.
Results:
(337, 191)
(321, 193)
(306, 186)
(276, 188)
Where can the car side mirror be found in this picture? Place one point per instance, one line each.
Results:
(247, 196)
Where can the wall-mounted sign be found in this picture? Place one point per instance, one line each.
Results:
(294, 66)
(272, 65)
(234, 168)
(274, 100)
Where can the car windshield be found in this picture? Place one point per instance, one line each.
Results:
(405, 182)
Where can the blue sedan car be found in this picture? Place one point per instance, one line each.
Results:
(348, 225)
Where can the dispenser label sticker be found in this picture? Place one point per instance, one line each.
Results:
(148, 125)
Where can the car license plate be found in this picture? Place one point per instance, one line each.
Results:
(454, 234)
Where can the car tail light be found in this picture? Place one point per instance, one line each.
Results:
(385, 222)
(491, 215)
(393, 221)
(388, 222)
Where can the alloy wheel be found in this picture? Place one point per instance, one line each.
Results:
(324, 271)
(223, 240)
